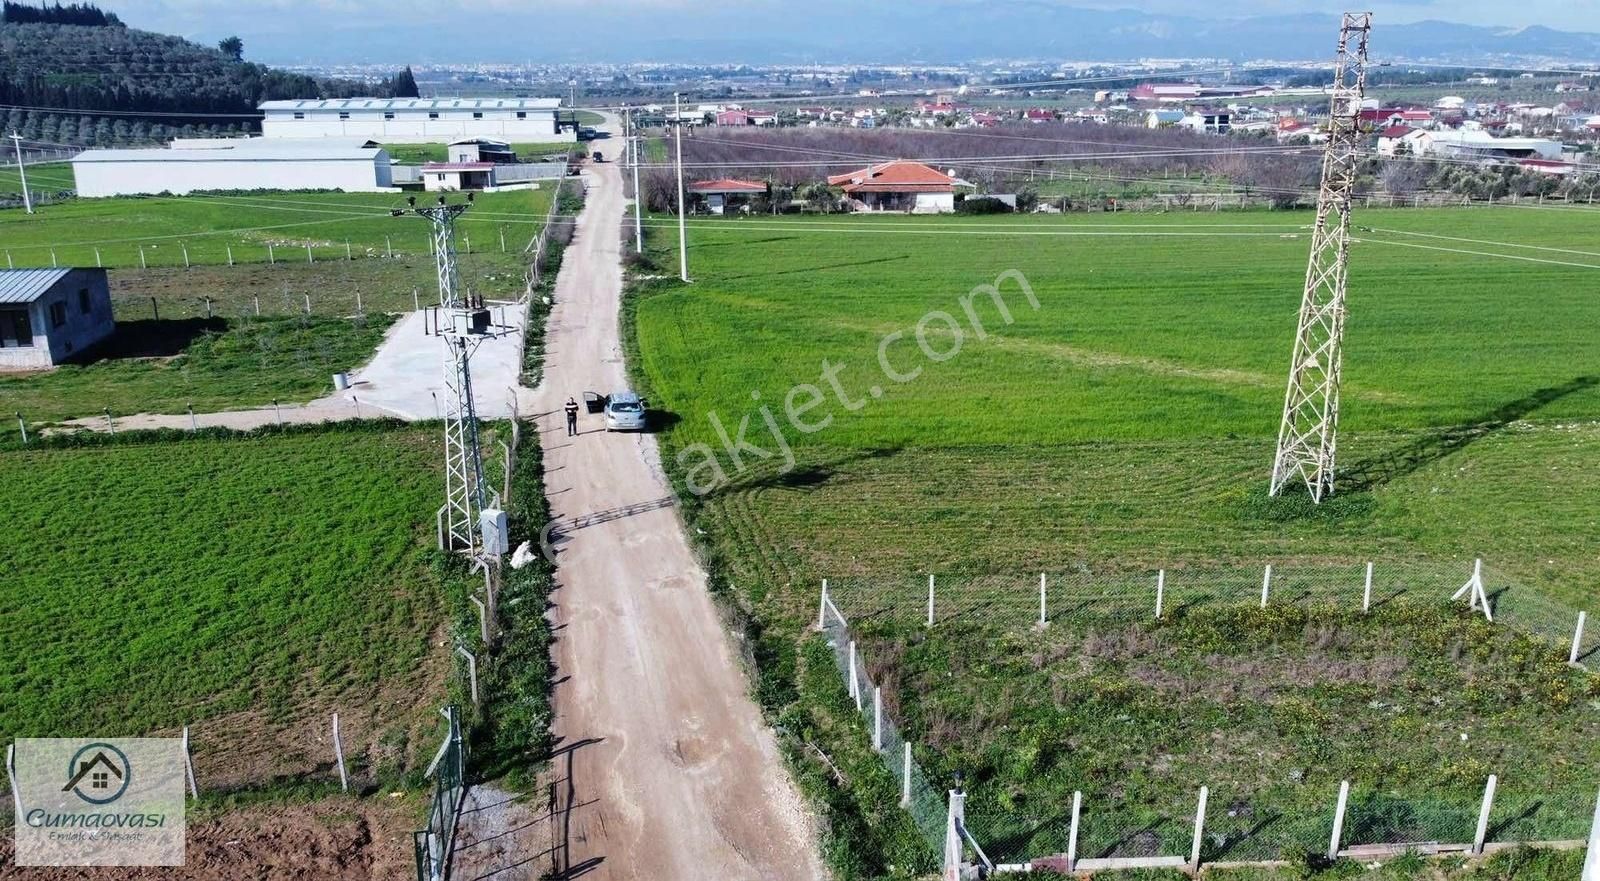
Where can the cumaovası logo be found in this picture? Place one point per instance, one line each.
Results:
(98, 773)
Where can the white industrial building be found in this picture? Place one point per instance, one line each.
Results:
(354, 165)
(1467, 144)
(417, 120)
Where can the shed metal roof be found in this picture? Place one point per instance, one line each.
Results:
(27, 285)
(419, 104)
(243, 150)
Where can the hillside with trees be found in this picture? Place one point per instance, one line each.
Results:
(142, 86)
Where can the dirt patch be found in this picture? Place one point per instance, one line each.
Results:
(1230, 679)
(336, 839)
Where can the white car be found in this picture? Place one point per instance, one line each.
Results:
(625, 412)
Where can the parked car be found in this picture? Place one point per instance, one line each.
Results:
(625, 412)
(598, 157)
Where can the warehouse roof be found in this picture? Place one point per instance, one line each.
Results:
(27, 285)
(348, 104)
(243, 150)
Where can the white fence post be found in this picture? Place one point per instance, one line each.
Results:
(905, 778)
(1483, 815)
(188, 765)
(930, 599)
(1199, 830)
(1366, 593)
(1577, 638)
(16, 794)
(855, 691)
(338, 755)
(1072, 833)
(1591, 862)
(877, 719)
(1042, 618)
(952, 835)
(1337, 837)
(822, 607)
(1266, 585)
(472, 672)
(483, 618)
(1161, 591)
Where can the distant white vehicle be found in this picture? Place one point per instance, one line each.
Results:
(625, 412)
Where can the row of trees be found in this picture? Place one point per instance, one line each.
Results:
(79, 14)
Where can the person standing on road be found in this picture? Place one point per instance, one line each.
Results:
(572, 417)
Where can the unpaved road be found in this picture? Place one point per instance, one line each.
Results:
(665, 770)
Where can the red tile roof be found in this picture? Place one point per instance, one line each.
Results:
(726, 185)
(898, 176)
(1395, 131)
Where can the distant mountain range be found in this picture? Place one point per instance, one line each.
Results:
(836, 31)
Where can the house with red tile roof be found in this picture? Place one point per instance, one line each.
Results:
(900, 185)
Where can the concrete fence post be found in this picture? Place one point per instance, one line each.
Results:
(111, 427)
(1483, 815)
(1199, 830)
(185, 247)
(1161, 590)
(388, 247)
(905, 777)
(822, 607)
(347, 254)
(1577, 639)
(188, 765)
(279, 414)
(930, 599)
(16, 794)
(338, 755)
(1072, 831)
(257, 299)
(438, 517)
(472, 672)
(309, 258)
(97, 258)
(53, 262)
(271, 258)
(483, 619)
(22, 427)
(953, 818)
(1591, 861)
(1336, 840)
(855, 691)
(359, 310)
(877, 719)
(308, 304)
(230, 254)
(9, 264)
(1366, 593)
(1042, 607)
(1266, 585)
(416, 301)
(142, 263)
(193, 426)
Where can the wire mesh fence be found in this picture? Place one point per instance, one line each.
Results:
(432, 843)
(1286, 821)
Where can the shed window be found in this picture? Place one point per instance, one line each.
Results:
(522, 114)
(344, 114)
(389, 114)
(15, 328)
(58, 313)
(477, 115)
(299, 115)
(433, 116)
(84, 304)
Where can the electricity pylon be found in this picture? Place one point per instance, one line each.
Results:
(462, 323)
(1308, 434)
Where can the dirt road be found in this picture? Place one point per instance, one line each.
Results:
(666, 771)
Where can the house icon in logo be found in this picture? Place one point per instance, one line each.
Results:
(98, 774)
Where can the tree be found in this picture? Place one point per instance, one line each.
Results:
(233, 47)
(404, 85)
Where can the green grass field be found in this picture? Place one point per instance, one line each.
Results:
(245, 586)
(1128, 424)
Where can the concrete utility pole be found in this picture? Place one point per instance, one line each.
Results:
(22, 172)
(683, 241)
(638, 197)
(1307, 435)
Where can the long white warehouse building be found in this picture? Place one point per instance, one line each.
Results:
(417, 120)
(354, 165)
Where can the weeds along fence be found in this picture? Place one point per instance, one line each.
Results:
(1356, 819)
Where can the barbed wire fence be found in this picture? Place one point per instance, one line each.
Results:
(1359, 820)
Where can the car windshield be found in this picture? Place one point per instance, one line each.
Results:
(626, 407)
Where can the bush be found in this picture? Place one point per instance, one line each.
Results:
(982, 205)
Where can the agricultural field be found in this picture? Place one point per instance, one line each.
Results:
(1127, 424)
(246, 586)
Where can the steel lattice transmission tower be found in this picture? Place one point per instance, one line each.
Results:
(1308, 434)
(462, 323)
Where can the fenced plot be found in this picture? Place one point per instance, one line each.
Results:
(1109, 708)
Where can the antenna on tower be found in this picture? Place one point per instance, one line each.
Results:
(463, 322)
(1308, 434)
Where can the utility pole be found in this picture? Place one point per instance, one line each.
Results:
(1308, 434)
(683, 241)
(463, 323)
(638, 197)
(22, 172)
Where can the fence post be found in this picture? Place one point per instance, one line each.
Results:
(193, 426)
(358, 302)
(822, 607)
(277, 412)
(1577, 638)
(142, 263)
(1483, 815)
(1266, 585)
(388, 247)
(97, 257)
(954, 817)
(271, 258)
(258, 305)
(1042, 619)
(1199, 830)
(851, 648)
(111, 427)
(347, 254)
(185, 247)
(1366, 593)
(9, 264)
(53, 262)
(472, 672)
(416, 302)
(1338, 820)
(308, 304)
(502, 240)
(1072, 833)
(438, 518)
(1161, 590)
(338, 755)
(11, 775)
(188, 765)
(1591, 861)
(208, 308)
(468, 240)
(905, 777)
(230, 254)
(309, 258)
(930, 599)
(877, 719)
(22, 427)
(483, 619)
